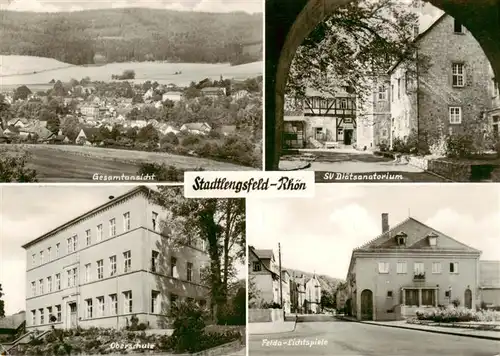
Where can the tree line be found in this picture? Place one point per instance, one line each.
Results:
(122, 35)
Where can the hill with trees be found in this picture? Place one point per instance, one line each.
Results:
(134, 34)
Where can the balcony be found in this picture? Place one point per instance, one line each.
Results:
(419, 277)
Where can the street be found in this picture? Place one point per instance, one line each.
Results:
(351, 338)
(349, 160)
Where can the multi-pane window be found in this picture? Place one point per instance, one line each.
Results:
(49, 284)
(127, 302)
(33, 317)
(189, 271)
(458, 74)
(75, 242)
(401, 267)
(88, 309)
(112, 265)
(100, 306)
(69, 274)
(126, 221)
(154, 261)
(33, 289)
(99, 233)
(40, 286)
(112, 227)
(41, 258)
(436, 267)
(343, 103)
(42, 317)
(58, 281)
(155, 298)
(418, 268)
(69, 244)
(127, 261)
(382, 92)
(411, 297)
(113, 304)
(58, 312)
(33, 259)
(383, 267)
(100, 269)
(154, 221)
(428, 297)
(49, 254)
(49, 314)
(88, 237)
(58, 249)
(453, 267)
(173, 300)
(88, 272)
(256, 266)
(173, 268)
(455, 115)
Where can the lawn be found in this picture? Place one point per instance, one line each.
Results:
(78, 163)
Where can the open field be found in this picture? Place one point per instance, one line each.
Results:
(79, 163)
(19, 70)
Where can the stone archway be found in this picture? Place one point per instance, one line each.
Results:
(289, 22)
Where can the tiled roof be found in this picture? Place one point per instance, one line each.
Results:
(12, 321)
(265, 254)
(416, 238)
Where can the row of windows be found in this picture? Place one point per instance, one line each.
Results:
(46, 318)
(49, 285)
(418, 267)
(72, 242)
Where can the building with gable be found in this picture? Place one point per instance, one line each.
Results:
(408, 267)
(265, 274)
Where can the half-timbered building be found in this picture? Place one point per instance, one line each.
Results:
(320, 119)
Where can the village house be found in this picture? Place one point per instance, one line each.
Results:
(264, 272)
(444, 91)
(172, 95)
(87, 136)
(228, 130)
(410, 267)
(313, 295)
(297, 294)
(322, 120)
(489, 283)
(104, 266)
(196, 128)
(240, 94)
(11, 131)
(18, 122)
(90, 111)
(166, 129)
(213, 92)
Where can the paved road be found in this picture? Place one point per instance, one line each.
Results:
(344, 338)
(353, 161)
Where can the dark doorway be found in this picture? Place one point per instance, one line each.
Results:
(468, 299)
(348, 137)
(366, 305)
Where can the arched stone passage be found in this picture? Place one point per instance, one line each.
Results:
(289, 22)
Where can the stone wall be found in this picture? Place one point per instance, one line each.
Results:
(265, 315)
(457, 172)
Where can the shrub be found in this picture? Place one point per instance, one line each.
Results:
(456, 302)
(459, 146)
(142, 326)
(457, 314)
(189, 322)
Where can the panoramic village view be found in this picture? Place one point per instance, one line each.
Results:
(362, 272)
(392, 86)
(136, 91)
(126, 270)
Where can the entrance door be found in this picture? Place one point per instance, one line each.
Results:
(366, 305)
(348, 137)
(72, 315)
(319, 134)
(468, 299)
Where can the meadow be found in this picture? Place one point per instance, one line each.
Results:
(66, 163)
(38, 71)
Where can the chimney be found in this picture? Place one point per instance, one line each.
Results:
(385, 222)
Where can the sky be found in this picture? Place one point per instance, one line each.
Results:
(319, 234)
(250, 6)
(27, 212)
